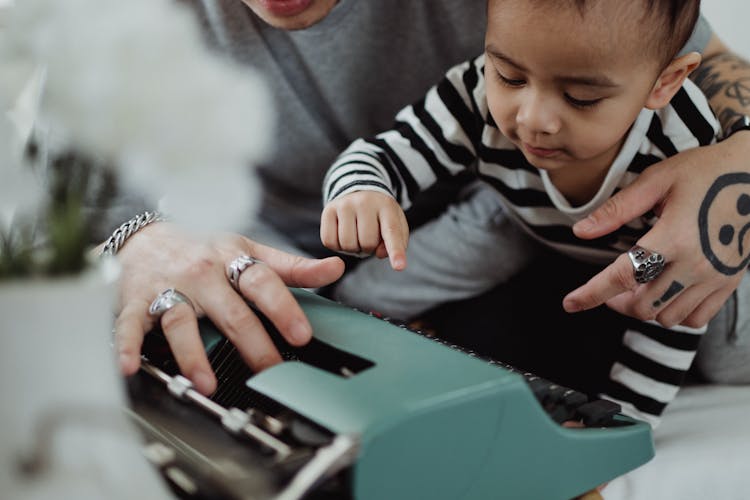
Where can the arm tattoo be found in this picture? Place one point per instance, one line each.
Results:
(724, 238)
(725, 79)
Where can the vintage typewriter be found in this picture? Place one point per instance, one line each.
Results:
(372, 410)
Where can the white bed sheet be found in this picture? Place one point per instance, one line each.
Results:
(702, 450)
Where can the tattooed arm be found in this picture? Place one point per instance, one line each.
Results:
(703, 269)
(725, 79)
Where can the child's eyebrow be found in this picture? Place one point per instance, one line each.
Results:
(499, 55)
(588, 80)
(591, 81)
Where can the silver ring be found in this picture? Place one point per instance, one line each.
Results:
(236, 267)
(166, 300)
(647, 265)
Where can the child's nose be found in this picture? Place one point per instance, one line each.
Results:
(537, 115)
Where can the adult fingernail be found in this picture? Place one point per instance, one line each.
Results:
(125, 362)
(204, 382)
(586, 224)
(572, 306)
(301, 332)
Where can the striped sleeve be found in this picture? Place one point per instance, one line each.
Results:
(434, 138)
(650, 368)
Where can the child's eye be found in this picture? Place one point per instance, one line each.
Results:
(581, 103)
(510, 82)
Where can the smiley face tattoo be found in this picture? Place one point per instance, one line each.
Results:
(725, 240)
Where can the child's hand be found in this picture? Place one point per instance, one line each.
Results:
(366, 222)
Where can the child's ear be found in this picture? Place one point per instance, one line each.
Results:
(671, 79)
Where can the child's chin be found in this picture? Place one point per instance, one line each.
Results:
(543, 163)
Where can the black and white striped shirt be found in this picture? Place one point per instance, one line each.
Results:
(450, 130)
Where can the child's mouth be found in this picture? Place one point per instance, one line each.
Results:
(540, 152)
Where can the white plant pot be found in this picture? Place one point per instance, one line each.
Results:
(62, 397)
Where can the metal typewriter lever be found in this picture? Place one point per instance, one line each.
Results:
(233, 419)
(341, 453)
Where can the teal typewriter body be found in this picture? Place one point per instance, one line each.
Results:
(436, 423)
(433, 422)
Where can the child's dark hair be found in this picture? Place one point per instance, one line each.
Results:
(682, 16)
(668, 24)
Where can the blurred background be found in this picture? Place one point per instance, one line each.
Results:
(731, 19)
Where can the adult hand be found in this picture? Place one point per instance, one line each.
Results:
(702, 197)
(159, 256)
(366, 222)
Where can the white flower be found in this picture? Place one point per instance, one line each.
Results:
(20, 190)
(134, 83)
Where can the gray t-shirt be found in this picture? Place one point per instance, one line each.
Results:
(341, 79)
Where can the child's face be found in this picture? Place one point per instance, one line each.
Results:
(563, 88)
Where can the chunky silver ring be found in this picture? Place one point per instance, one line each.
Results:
(236, 267)
(647, 265)
(166, 300)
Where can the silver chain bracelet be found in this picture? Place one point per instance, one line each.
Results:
(126, 230)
